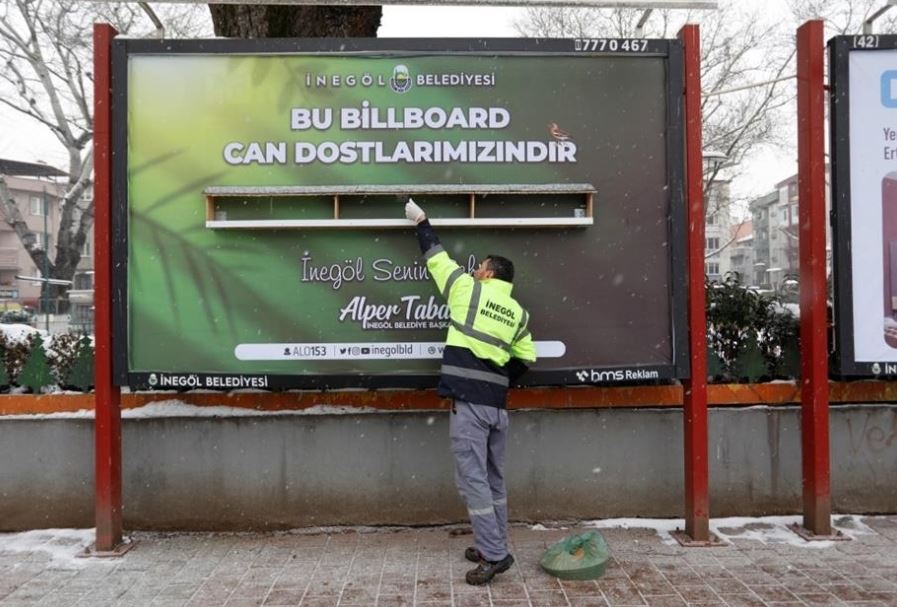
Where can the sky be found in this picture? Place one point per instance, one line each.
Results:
(22, 139)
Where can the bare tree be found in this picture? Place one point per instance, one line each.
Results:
(267, 21)
(46, 50)
(740, 47)
(541, 22)
(844, 16)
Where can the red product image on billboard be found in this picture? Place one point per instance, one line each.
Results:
(889, 242)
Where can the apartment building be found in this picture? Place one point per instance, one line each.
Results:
(762, 210)
(38, 191)
(776, 240)
(717, 228)
(741, 251)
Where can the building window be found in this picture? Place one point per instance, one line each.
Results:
(82, 281)
(712, 244)
(37, 206)
(711, 268)
(711, 219)
(85, 250)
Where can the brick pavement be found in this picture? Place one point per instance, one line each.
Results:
(425, 567)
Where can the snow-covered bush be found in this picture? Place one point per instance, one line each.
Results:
(752, 335)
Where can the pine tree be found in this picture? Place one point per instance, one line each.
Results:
(35, 373)
(80, 375)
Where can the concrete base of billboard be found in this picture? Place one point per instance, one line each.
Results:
(282, 471)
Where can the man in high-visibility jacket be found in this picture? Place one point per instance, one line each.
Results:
(487, 348)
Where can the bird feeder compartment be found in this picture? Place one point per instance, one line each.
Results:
(349, 207)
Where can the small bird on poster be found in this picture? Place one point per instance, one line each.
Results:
(557, 132)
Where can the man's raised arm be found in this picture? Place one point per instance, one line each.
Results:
(445, 271)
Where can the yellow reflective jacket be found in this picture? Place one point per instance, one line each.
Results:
(485, 318)
(488, 339)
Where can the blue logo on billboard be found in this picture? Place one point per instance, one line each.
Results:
(889, 88)
(401, 79)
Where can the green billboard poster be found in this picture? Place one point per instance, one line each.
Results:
(261, 239)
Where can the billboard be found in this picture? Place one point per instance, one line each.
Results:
(260, 237)
(864, 194)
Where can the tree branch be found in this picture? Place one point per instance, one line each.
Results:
(31, 114)
(39, 65)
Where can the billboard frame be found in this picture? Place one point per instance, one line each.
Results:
(669, 49)
(839, 49)
(609, 4)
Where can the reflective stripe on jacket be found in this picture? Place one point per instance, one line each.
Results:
(488, 329)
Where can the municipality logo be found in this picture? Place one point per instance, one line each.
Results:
(401, 79)
(876, 369)
(153, 380)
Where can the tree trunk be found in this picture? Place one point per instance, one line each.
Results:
(267, 21)
(56, 298)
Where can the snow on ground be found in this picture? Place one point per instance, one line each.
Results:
(662, 526)
(177, 408)
(61, 546)
(766, 530)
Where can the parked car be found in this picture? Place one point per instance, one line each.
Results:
(22, 316)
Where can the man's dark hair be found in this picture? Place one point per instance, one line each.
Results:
(501, 267)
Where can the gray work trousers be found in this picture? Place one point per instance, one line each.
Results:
(478, 436)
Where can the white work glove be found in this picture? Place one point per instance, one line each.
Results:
(414, 212)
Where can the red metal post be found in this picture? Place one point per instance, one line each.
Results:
(108, 396)
(697, 503)
(817, 495)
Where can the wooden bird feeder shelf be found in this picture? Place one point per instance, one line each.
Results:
(342, 197)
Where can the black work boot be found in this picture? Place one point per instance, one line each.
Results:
(486, 570)
(473, 555)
